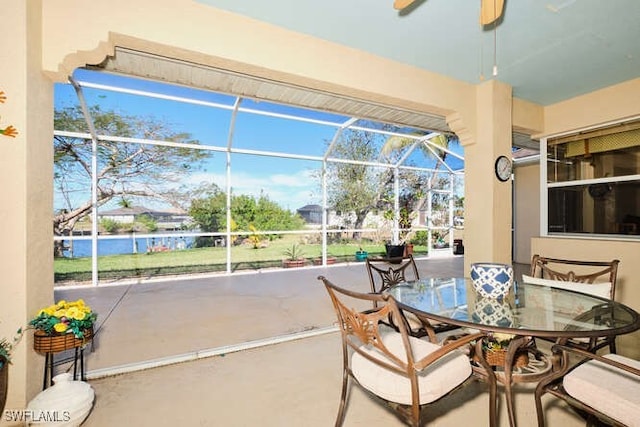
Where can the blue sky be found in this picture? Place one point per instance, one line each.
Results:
(285, 181)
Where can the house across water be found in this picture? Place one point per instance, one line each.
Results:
(166, 220)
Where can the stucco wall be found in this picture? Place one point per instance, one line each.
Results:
(187, 30)
(615, 103)
(628, 283)
(26, 171)
(192, 31)
(526, 202)
(603, 106)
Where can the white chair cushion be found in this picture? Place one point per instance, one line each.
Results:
(602, 290)
(434, 382)
(413, 321)
(607, 389)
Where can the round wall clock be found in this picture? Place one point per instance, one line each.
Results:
(503, 168)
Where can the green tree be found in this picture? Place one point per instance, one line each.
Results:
(110, 225)
(355, 187)
(435, 147)
(125, 203)
(263, 214)
(270, 216)
(359, 188)
(125, 170)
(210, 214)
(248, 214)
(244, 209)
(147, 222)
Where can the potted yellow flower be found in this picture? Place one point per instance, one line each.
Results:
(62, 326)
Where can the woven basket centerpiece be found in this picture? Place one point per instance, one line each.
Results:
(55, 343)
(497, 357)
(498, 312)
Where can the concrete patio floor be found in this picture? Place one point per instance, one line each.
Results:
(247, 350)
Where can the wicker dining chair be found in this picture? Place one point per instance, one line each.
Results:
(402, 371)
(386, 272)
(601, 388)
(596, 278)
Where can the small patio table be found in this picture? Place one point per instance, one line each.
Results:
(529, 311)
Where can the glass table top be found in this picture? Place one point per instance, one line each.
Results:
(528, 309)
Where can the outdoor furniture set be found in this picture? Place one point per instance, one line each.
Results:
(412, 341)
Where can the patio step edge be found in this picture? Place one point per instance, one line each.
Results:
(202, 354)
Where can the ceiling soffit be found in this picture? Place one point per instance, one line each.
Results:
(144, 65)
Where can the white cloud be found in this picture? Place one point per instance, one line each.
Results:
(290, 191)
(299, 179)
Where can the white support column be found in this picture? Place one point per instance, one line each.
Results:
(396, 206)
(94, 181)
(232, 127)
(451, 207)
(325, 216)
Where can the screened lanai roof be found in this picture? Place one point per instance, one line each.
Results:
(339, 111)
(141, 64)
(200, 88)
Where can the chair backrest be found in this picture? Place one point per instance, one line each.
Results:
(566, 270)
(386, 272)
(361, 329)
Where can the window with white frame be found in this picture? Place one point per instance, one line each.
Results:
(593, 182)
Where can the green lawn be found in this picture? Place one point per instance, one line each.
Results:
(201, 260)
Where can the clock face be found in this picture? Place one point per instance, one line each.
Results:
(503, 168)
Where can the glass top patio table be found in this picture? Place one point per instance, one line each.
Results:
(528, 310)
(532, 310)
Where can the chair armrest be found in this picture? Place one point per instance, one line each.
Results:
(445, 349)
(586, 355)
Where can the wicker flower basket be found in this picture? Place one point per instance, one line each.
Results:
(55, 343)
(497, 357)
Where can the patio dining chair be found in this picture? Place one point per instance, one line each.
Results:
(386, 272)
(601, 388)
(402, 371)
(596, 278)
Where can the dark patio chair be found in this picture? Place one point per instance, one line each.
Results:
(597, 278)
(402, 371)
(386, 272)
(601, 388)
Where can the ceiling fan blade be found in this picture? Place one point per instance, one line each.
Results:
(490, 10)
(401, 4)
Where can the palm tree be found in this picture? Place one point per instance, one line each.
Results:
(433, 147)
(125, 203)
